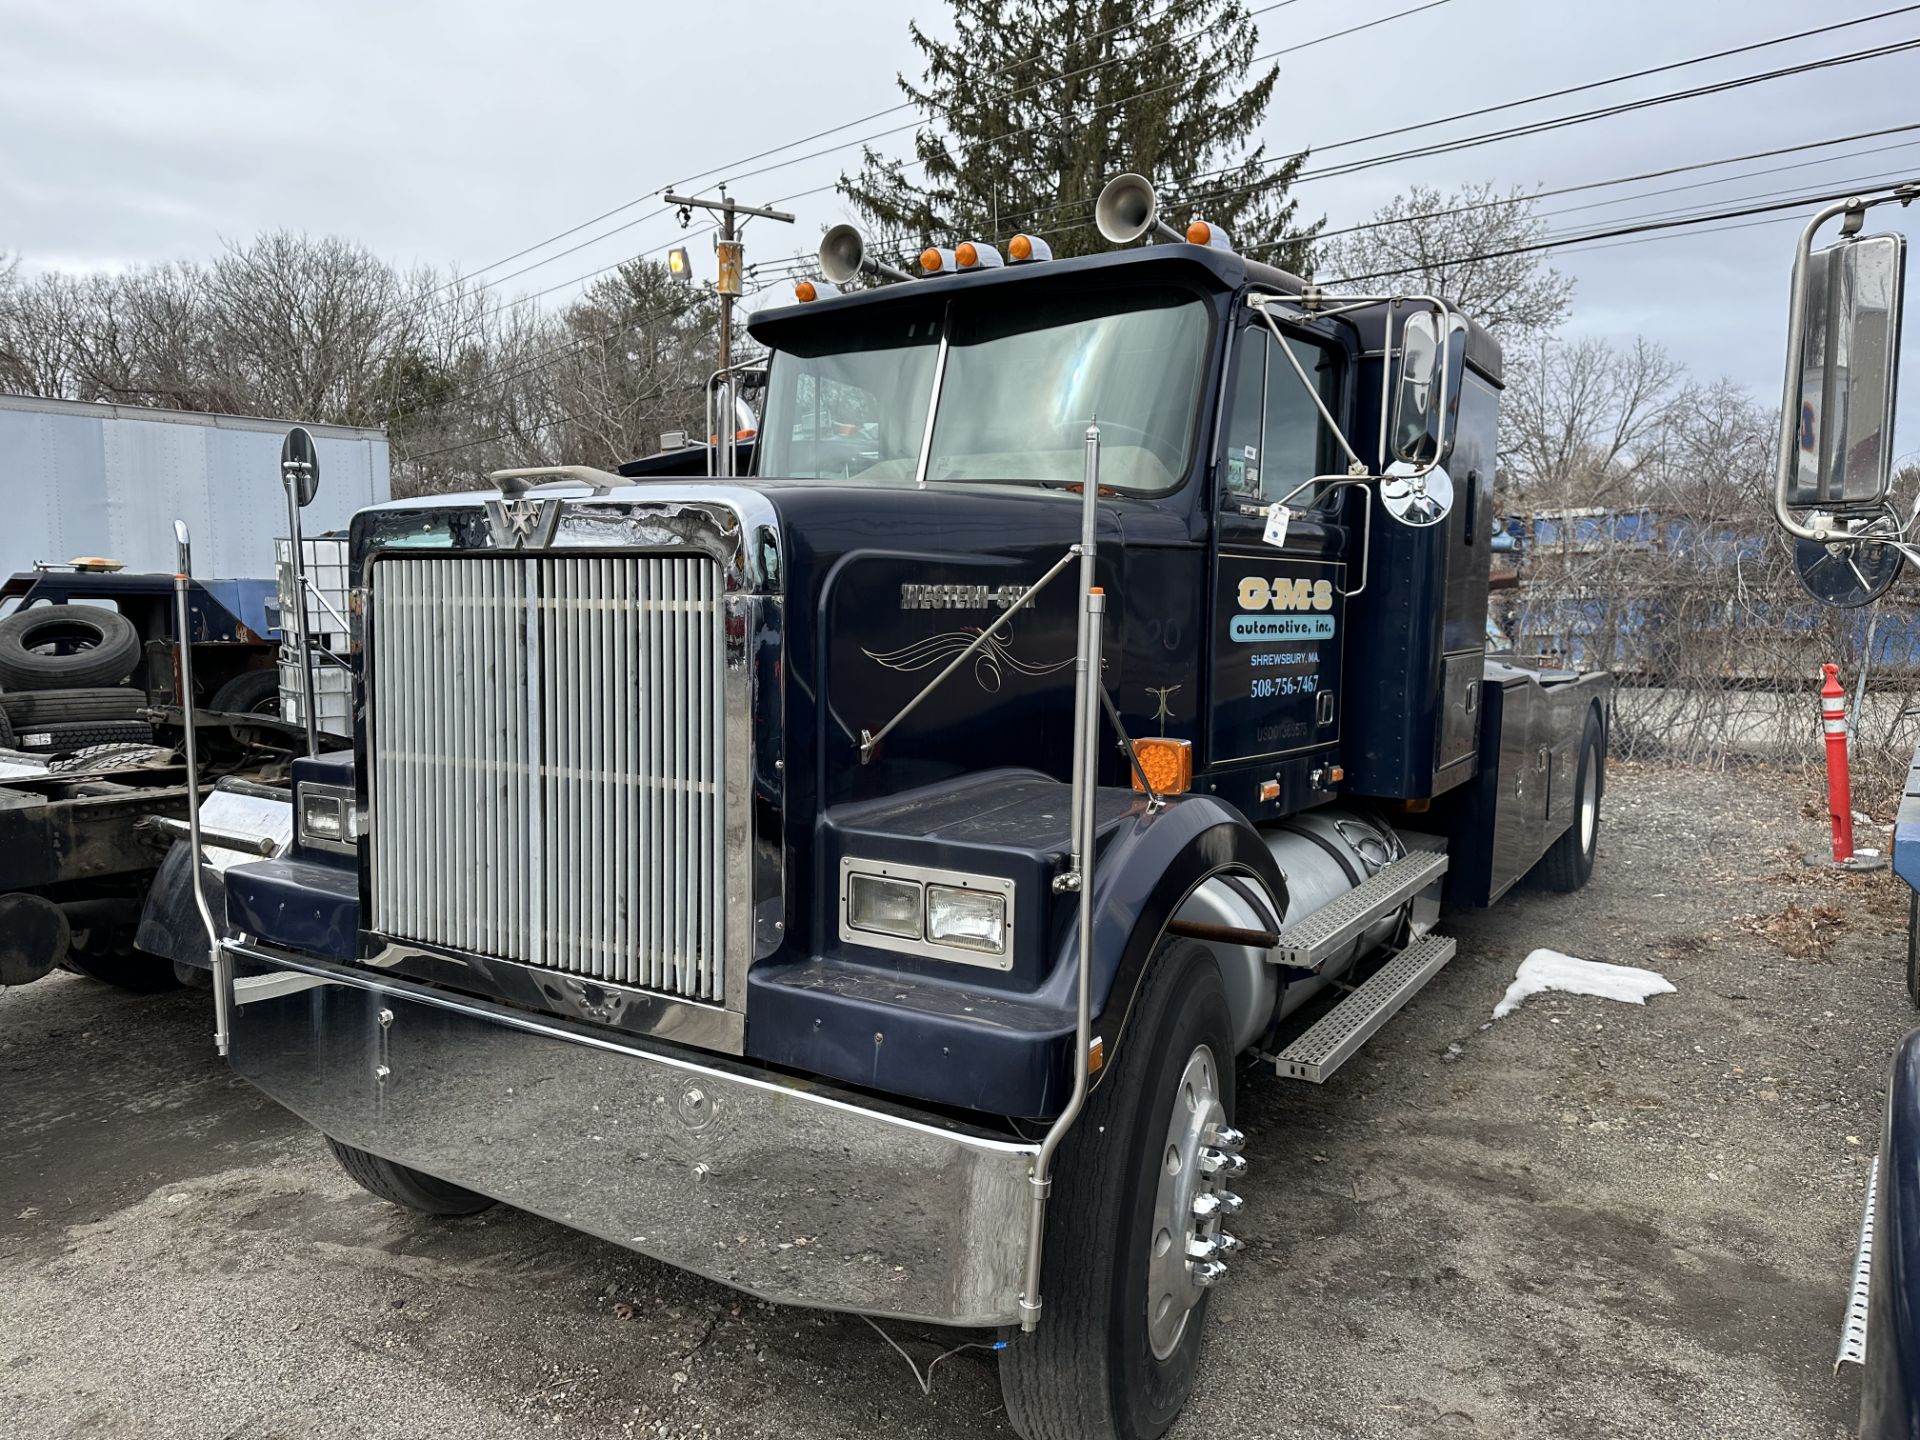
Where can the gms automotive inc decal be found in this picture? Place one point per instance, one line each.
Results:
(1282, 609)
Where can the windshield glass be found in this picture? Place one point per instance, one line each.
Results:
(1022, 380)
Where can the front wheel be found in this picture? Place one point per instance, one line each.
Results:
(402, 1185)
(1133, 1229)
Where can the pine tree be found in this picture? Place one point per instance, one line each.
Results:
(1035, 104)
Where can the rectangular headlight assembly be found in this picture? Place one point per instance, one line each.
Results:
(935, 914)
(327, 817)
(976, 919)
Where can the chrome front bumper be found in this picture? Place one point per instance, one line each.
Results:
(791, 1192)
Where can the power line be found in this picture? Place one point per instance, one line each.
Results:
(1535, 127)
(705, 176)
(1543, 126)
(1643, 175)
(1641, 228)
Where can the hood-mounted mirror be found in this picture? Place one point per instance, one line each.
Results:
(1417, 495)
(300, 466)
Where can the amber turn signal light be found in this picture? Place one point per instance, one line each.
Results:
(1167, 764)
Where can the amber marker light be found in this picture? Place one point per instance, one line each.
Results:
(966, 255)
(804, 291)
(1199, 233)
(930, 260)
(1020, 248)
(1167, 764)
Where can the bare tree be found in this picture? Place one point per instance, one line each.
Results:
(1580, 419)
(1466, 247)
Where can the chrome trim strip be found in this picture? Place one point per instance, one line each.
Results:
(787, 1190)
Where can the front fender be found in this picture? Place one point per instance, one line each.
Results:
(1149, 865)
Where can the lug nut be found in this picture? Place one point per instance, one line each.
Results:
(1206, 1273)
(1202, 1247)
(1225, 1137)
(1229, 1203)
(1206, 1205)
(1219, 1162)
(1226, 1244)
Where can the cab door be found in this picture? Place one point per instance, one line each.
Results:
(1278, 612)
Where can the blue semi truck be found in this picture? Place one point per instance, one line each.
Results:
(896, 848)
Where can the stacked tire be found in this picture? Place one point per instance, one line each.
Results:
(62, 674)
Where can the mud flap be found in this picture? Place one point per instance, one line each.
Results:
(169, 924)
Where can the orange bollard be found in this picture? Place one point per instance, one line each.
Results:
(1833, 718)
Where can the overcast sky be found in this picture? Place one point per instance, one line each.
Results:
(458, 133)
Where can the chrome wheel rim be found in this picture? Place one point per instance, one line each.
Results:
(1197, 1114)
(1590, 803)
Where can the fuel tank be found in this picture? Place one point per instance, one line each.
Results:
(1324, 853)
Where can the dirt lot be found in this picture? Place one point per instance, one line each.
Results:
(1586, 1220)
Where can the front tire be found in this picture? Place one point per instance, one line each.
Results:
(402, 1185)
(1119, 1335)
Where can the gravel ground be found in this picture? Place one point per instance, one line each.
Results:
(1586, 1220)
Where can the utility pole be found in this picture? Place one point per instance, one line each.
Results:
(728, 251)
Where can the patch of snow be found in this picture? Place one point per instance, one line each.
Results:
(1550, 970)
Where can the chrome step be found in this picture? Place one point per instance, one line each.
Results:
(1335, 1036)
(1853, 1325)
(1308, 942)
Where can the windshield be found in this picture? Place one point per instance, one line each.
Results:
(1021, 382)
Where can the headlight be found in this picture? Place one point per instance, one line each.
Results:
(328, 820)
(972, 918)
(886, 905)
(934, 913)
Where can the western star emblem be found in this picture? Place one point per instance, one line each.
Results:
(520, 523)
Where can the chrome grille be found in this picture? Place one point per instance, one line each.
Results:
(547, 768)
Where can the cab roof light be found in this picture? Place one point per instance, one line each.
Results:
(809, 290)
(976, 255)
(1205, 232)
(1025, 249)
(937, 261)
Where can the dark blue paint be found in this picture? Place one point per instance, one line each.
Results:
(975, 1038)
(1890, 1382)
(300, 906)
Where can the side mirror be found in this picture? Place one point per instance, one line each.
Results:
(1847, 335)
(1426, 401)
(1417, 420)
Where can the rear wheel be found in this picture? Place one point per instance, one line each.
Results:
(1134, 1222)
(401, 1185)
(105, 953)
(1569, 863)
